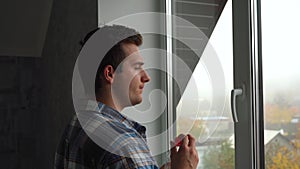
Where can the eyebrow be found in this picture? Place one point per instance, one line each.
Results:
(138, 63)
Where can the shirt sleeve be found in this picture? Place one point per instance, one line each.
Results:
(133, 153)
(128, 163)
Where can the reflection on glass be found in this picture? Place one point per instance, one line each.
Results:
(281, 73)
(201, 111)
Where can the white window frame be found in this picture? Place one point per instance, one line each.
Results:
(247, 65)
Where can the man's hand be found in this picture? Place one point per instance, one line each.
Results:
(186, 157)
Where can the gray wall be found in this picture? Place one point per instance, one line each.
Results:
(35, 92)
(70, 21)
(20, 112)
(23, 27)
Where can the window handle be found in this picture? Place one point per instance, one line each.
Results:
(234, 94)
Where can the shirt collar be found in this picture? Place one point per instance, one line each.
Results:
(108, 111)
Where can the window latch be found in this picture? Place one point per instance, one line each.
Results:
(234, 94)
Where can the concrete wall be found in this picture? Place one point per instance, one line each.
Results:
(23, 27)
(35, 92)
(20, 111)
(70, 21)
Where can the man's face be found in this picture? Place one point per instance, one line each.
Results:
(129, 81)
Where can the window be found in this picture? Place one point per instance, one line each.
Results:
(197, 95)
(280, 54)
(204, 108)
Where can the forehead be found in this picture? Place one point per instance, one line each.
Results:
(132, 52)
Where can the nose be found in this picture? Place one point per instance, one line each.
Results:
(145, 77)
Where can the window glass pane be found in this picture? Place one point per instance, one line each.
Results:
(204, 108)
(281, 73)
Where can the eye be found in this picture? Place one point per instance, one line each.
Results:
(138, 67)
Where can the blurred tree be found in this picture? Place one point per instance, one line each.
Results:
(279, 157)
(219, 156)
(275, 114)
(297, 136)
(195, 127)
(198, 129)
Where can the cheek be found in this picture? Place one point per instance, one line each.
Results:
(135, 82)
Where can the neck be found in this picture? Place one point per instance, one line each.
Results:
(105, 97)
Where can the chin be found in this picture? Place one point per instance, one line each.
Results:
(136, 101)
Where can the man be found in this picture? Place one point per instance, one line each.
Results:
(101, 137)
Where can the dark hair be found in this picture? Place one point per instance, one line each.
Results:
(119, 35)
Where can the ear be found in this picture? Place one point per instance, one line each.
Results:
(108, 73)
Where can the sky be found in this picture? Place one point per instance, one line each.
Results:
(221, 42)
(281, 42)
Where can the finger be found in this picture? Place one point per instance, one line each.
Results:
(185, 141)
(178, 140)
(191, 140)
(173, 146)
(180, 137)
(173, 151)
(172, 143)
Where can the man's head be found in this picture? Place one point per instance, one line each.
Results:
(120, 71)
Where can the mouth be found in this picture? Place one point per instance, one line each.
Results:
(141, 87)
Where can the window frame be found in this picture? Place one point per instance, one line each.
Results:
(247, 69)
(249, 136)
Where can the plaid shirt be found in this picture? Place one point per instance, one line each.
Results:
(102, 138)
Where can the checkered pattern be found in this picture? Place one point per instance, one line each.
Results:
(103, 138)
